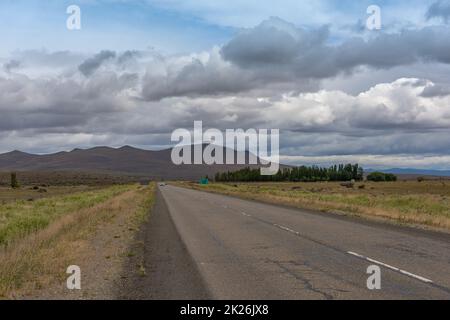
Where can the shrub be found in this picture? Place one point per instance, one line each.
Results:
(349, 185)
(390, 177)
(381, 177)
(14, 182)
(376, 177)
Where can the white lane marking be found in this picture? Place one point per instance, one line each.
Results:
(412, 275)
(391, 267)
(286, 229)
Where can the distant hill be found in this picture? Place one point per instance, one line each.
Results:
(412, 173)
(126, 160)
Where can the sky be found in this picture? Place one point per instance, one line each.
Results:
(138, 70)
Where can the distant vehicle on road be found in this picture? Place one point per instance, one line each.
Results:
(162, 184)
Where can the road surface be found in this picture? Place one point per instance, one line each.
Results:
(239, 249)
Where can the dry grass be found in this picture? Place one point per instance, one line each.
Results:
(407, 202)
(32, 193)
(20, 218)
(67, 178)
(39, 259)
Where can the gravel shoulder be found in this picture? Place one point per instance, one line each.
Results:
(162, 267)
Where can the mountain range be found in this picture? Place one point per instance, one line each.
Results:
(150, 164)
(125, 160)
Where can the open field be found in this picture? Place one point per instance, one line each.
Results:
(32, 193)
(92, 229)
(67, 178)
(20, 218)
(407, 202)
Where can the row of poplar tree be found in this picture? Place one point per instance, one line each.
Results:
(342, 172)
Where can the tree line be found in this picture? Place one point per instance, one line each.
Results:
(342, 172)
(381, 177)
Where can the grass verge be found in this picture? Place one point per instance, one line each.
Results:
(20, 218)
(89, 229)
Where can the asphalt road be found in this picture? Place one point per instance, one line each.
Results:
(237, 249)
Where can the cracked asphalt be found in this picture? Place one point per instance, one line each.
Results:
(248, 250)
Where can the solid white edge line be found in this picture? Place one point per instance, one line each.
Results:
(391, 267)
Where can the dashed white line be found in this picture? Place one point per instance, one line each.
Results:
(286, 229)
(409, 274)
(406, 273)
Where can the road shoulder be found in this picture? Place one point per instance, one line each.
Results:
(162, 267)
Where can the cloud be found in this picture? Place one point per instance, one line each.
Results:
(127, 56)
(44, 58)
(278, 55)
(436, 90)
(204, 74)
(89, 66)
(61, 104)
(269, 59)
(10, 65)
(273, 43)
(386, 107)
(283, 48)
(389, 118)
(439, 9)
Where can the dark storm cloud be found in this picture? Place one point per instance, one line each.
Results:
(61, 103)
(436, 91)
(10, 65)
(439, 9)
(195, 79)
(274, 43)
(40, 121)
(89, 66)
(405, 143)
(127, 56)
(282, 48)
